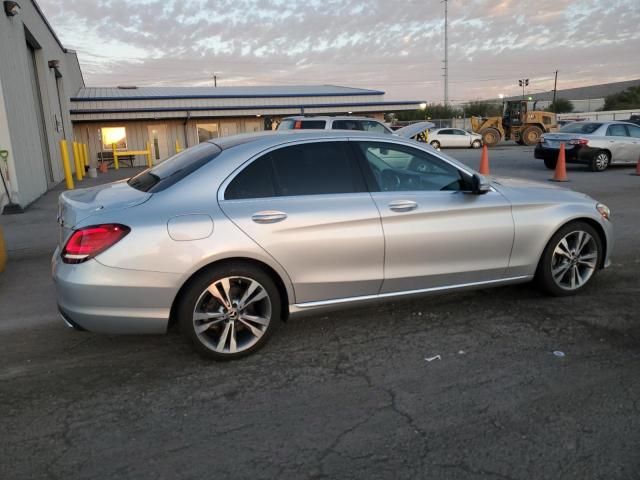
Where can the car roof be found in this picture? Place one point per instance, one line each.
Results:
(329, 117)
(277, 137)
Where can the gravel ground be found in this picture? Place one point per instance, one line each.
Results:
(348, 395)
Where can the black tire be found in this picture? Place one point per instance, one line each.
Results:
(600, 161)
(550, 163)
(531, 135)
(544, 274)
(490, 136)
(476, 144)
(195, 292)
(435, 144)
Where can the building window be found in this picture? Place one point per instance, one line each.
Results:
(111, 135)
(207, 131)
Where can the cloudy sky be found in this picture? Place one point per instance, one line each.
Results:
(393, 45)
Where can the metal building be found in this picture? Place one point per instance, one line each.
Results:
(37, 78)
(180, 117)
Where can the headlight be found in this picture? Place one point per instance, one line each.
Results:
(604, 211)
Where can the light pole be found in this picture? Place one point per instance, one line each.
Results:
(524, 82)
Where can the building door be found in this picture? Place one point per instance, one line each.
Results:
(42, 132)
(251, 126)
(159, 142)
(228, 128)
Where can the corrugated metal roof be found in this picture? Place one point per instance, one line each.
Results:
(583, 93)
(155, 93)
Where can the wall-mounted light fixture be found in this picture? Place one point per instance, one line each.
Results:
(54, 63)
(11, 8)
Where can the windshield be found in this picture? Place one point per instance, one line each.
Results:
(175, 168)
(580, 127)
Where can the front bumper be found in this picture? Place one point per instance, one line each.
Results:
(578, 154)
(94, 297)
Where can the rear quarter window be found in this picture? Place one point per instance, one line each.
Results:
(175, 168)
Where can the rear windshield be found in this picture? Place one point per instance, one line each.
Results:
(175, 168)
(580, 127)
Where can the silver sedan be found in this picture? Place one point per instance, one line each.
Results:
(233, 235)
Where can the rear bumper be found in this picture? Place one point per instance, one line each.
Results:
(102, 299)
(578, 154)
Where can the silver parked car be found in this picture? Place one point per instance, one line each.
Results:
(454, 137)
(596, 144)
(228, 237)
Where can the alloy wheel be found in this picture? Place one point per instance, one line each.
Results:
(232, 314)
(602, 161)
(574, 260)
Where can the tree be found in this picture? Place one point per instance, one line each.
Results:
(433, 110)
(483, 108)
(628, 99)
(561, 105)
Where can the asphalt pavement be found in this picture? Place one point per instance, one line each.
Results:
(518, 386)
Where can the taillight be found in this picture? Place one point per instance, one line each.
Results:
(88, 242)
(297, 125)
(579, 141)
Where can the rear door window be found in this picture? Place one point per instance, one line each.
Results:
(307, 169)
(310, 124)
(576, 127)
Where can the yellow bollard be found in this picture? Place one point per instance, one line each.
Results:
(85, 154)
(149, 159)
(115, 156)
(76, 161)
(178, 147)
(3, 252)
(66, 166)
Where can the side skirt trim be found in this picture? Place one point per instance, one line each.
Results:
(381, 296)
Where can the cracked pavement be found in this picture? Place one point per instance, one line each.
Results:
(343, 395)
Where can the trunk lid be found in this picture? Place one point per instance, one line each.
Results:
(75, 206)
(414, 129)
(554, 140)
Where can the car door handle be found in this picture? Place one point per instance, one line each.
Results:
(269, 216)
(403, 205)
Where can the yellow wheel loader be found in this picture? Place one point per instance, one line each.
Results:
(517, 123)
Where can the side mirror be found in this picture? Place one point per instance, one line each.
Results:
(479, 184)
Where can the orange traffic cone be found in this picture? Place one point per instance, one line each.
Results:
(637, 172)
(103, 167)
(560, 174)
(484, 161)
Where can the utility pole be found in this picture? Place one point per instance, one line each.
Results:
(446, 53)
(555, 91)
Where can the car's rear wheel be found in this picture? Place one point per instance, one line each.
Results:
(570, 260)
(476, 144)
(550, 163)
(435, 144)
(600, 161)
(229, 311)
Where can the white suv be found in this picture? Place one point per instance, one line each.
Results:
(350, 123)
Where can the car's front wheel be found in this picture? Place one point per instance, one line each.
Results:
(550, 163)
(570, 259)
(229, 311)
